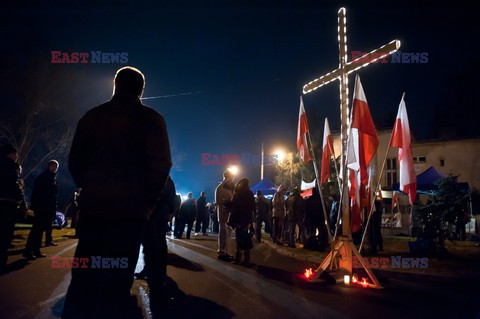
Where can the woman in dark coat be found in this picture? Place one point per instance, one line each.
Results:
(241, 217)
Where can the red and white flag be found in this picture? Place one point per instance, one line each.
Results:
(362, 146)
(401, 138)
(327, 152)
(302, 144)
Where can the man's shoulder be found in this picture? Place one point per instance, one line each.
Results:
(109, 106)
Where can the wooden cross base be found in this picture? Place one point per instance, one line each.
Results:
(339, 260)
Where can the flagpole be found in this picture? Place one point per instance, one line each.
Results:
(319, 187)
(375, 194)
(344, 175)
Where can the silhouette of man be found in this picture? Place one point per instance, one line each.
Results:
(120, 157)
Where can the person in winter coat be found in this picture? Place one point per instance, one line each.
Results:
(186, 216)
(120, 157)
(262, 215)
(223, 194)
(314, 218)
(202, 215)
(242, 209)
(296, 216)
(278, 214)
(44, 205)
(11, 196)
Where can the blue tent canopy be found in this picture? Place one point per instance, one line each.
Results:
(265, 186)
(426, 181)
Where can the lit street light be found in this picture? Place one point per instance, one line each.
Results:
(233, 170)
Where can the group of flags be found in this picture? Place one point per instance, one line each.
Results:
(362, 148)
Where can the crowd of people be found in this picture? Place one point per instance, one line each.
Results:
(120, 162)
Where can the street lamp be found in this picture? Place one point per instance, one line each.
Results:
(280, 155)
(233, 170)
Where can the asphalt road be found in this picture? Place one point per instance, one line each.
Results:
(274, 288)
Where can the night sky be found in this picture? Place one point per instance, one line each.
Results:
(236, 68)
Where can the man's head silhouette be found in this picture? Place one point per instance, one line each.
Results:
(129, 81)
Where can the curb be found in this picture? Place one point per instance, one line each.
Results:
(285, 252)
(382, 273)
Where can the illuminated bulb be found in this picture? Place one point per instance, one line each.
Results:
(346, 280)
(354, 279)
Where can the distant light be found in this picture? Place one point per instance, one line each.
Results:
(280, 155)
(346, 279)
(184, 197)
(233, 170)
(354, 279)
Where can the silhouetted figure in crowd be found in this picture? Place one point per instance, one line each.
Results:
(278, 214)
(376, 239)
(242, 209)
(120, 157)
(75, 211)
(223, 194)
(334, 209)
(262, 215)
(202, 215)
(11, 196)
(315, 220)
(186, 216)
(214, 217)
(296, 217)
(44, 206)
(155, 248)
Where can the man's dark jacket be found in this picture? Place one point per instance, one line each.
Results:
(120, 157)
(188, 210)
(167, 204)
(201, 207)
(44, 194)
(10, 189)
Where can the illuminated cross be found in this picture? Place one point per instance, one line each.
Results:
(344, 247)
(341, 74)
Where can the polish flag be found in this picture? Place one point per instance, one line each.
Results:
(327, 152)
(362, 146)
(401, 138)
(302, 144)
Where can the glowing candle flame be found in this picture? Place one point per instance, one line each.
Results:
(308, 273)
(364, 283)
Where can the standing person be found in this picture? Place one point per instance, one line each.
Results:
(44, 205)
(214, 217)
(202, 215)
(224, 193)
(186, 216)
(155, 248)
(11, 196)
(76, 211)
(296, 216)
(242, 209)
(262, 215)
(120, 157)
(315, 220)
(278, 214)
(376, 239)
